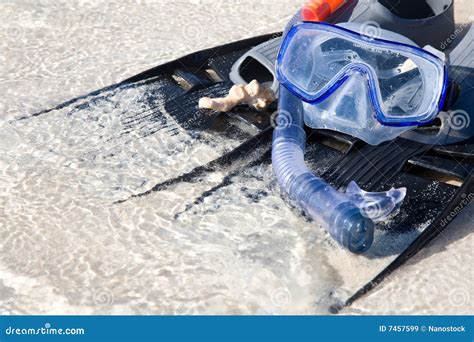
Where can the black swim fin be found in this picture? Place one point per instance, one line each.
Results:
(162, 102)
(439, 178)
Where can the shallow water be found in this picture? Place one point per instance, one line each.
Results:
(66, 248)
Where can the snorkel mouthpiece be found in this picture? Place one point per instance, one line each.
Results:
(348, 217)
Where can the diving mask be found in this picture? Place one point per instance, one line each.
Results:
(371, 88)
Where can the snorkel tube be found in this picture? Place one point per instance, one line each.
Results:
(348, 217)
(343, 219)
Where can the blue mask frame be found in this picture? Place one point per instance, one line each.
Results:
(336, 82)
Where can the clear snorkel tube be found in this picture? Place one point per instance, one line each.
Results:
(348, 217)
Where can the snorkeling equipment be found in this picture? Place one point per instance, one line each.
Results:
(318, 59)
(344, 77)
(438, 178)
(346, 216)
(423, 22)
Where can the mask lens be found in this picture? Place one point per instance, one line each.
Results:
(315, 61)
